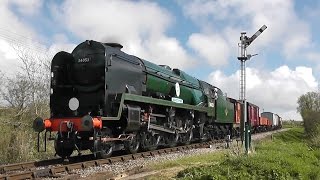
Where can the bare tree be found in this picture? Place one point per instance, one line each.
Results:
(17, 93)
(25, 95)
(28, 91)
(36, 68)
(1, 88)
(1, 79)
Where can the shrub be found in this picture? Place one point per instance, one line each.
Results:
(18, 140)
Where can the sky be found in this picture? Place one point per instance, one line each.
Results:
(199, 37)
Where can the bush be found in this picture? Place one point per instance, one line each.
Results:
(309, 108)
(311, 123)
(18, 140)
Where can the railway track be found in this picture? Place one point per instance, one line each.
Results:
(57, 167)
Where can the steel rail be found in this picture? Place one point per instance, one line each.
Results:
(31, 170)
(34, 164)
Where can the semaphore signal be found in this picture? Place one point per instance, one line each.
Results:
(245, 41)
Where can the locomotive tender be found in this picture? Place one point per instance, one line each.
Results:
(104, 100)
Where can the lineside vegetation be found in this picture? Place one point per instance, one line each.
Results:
(309, 108)
(23, 97)
(288, 156)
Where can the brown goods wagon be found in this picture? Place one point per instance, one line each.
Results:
(237, 109)
(264, 121)
(253, 114)
(274, 118)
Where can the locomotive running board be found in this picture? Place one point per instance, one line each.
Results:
(160, 128)
(161, 102)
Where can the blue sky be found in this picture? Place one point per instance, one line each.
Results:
(197, 36)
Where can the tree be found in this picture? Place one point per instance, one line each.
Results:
(25, 95)
(17, 93)
(309, 102)
(309, 108)
(36, 68)
(28, 91)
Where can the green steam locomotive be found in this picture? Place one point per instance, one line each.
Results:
(105, 100)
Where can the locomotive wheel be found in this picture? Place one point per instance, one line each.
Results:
(186, 138)
(60, 148)
(149, 142)
(216, 133)
(132, 145)
(207, 135)
(102, 149)
(171, 139)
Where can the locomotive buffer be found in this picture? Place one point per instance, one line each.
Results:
(243, 57)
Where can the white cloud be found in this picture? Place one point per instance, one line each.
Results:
(18, 37)
(28, 7)
(228, 18)
(313, 56)
(8, 51)
(139, 26)
(13, 32)
(60, 46)
(275, 91)
(60, 38)
(213, 48)
(8, 58)
(165, 50)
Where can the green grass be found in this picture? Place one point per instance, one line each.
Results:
(288, 156)
(291, 124)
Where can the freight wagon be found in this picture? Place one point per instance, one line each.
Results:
(274, 119)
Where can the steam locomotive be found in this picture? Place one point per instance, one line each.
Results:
(105, 100)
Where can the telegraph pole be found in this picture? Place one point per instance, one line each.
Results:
(243, 57)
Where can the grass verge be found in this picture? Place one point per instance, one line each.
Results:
(287, 156)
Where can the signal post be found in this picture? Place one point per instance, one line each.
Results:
(243, 57)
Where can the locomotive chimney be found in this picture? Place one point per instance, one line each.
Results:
(115, 45)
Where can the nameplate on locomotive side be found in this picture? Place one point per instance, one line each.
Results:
(177, 100)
